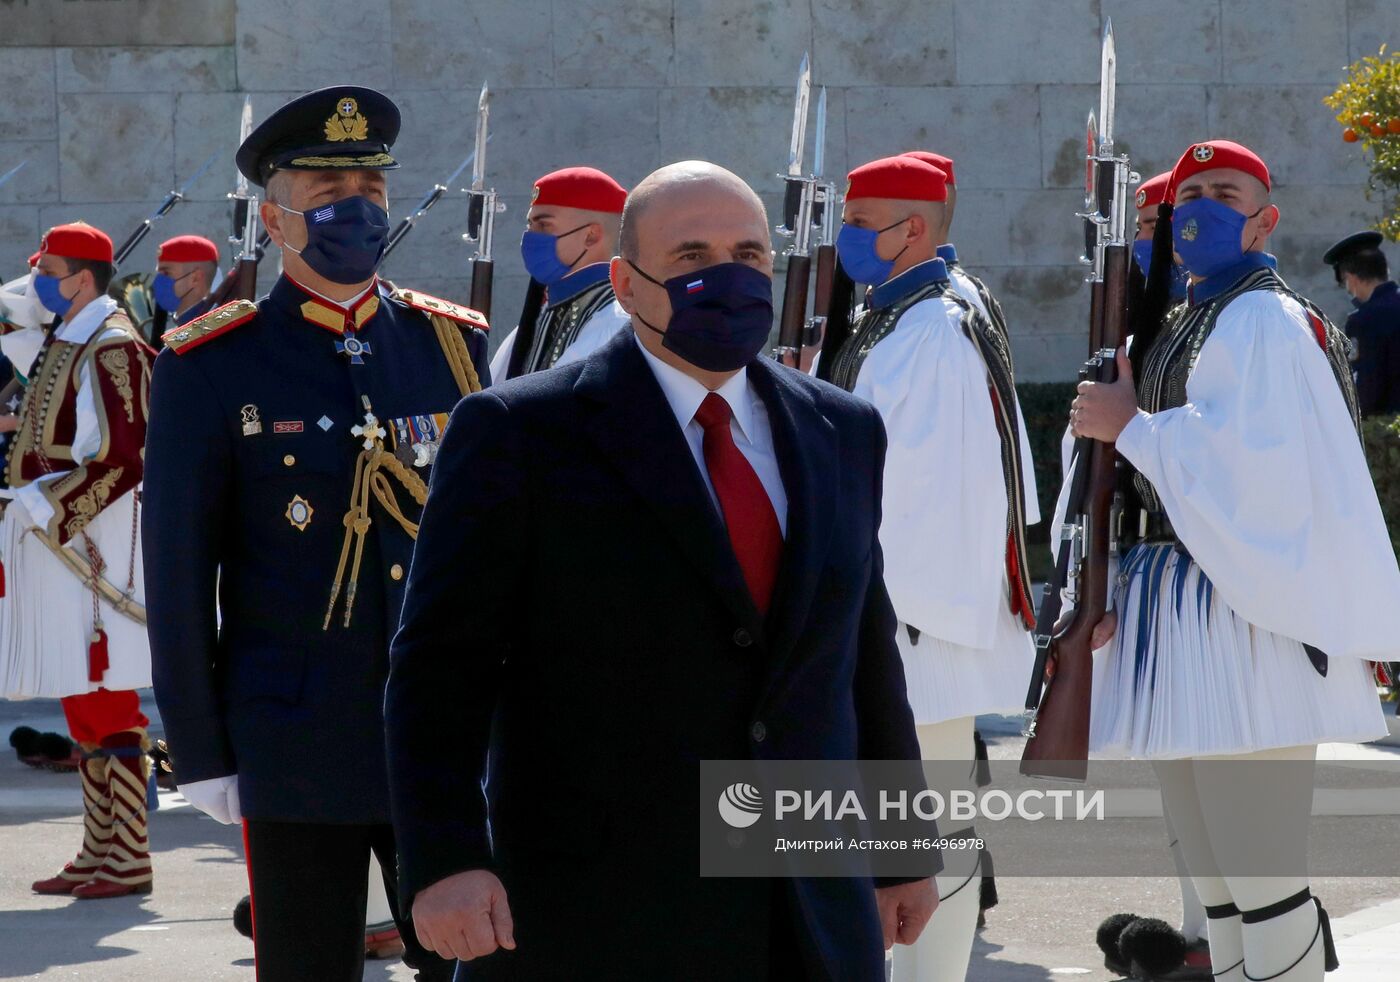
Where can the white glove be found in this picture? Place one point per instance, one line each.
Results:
(217, 797)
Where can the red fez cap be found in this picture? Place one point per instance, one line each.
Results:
(1153, 191)
(580, 187)
(34, 259)
(77, 241)
(897, 177)
(1214, 154)
(187, 249)
(945, 164)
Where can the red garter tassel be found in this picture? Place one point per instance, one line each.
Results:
(1382, 676)
(97, 656)
(2, 578)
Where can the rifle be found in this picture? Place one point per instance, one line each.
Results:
(838, 317)
(481, 211)
(171, 199)
(428, 200)
(1058, 717)
(799, 203)
(525, 328)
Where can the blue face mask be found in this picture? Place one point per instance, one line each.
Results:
(720, 315)
(50, 294)
(1206, 235)
(541, 254)
(163, 292)
(1142, 255)
(345, 240)
(859, 257)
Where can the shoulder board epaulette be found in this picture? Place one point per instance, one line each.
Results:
(207, 327)
(433, 305)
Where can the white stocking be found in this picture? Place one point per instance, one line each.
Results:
(943, 950)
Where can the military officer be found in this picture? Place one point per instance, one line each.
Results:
(1374, 327)
(187, 273)
(569, 241)
(290, 446)
(940, 374)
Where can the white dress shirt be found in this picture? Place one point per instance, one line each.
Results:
(753, 434)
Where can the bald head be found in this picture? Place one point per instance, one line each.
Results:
(668, 197)
(680, 220)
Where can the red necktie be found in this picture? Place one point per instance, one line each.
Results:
(753, 524)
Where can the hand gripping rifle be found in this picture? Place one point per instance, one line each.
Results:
(1058, 718)
(482, 211)
(799, 208)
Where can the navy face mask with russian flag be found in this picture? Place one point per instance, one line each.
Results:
(720, 315)
(345, 240)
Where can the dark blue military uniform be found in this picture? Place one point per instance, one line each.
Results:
(1374, 329)
(250, 466)
(289, 446)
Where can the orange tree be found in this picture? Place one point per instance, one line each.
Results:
(1367, 104)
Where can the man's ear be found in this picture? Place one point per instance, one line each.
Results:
(1268, 219)
(271, 217)
(915, 229)
(620, 273)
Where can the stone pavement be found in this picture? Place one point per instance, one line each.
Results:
(1042, 930)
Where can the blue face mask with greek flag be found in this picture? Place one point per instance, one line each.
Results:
(345, 240)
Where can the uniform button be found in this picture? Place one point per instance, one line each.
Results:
(396, 572)
(289, 460)
(759, 732)
(743, 638)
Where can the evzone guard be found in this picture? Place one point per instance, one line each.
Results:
(71, 616)
(940, 374)
(570, 238)
(1254, 510)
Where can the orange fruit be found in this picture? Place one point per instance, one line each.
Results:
(1349, 135)
(1366, 119)
(1394, 124)
(1378, 130)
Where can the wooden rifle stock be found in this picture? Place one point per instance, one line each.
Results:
(482, 273)
(1059, 743)
(826, 279)
(794, 317)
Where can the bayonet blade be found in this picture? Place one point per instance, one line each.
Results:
(799, 116)
(245, 127)
(460, 167)
(819, 152)
(483, 116)
(1091, 148)
(5, 177)
(198, 174)
(1108, 83)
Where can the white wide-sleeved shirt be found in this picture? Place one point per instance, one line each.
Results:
(1266, 484)
(753, 433)
(595, 332)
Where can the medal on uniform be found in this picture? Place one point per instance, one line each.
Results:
(252, 424)
(353, 347)
(299, 512)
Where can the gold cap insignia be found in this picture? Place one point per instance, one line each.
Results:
(1188, 234)
(1141, 198)
(1203, 153)
(348, 123)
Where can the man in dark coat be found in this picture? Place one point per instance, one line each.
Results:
(662, 554)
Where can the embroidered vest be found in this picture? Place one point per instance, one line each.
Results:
(559, 326)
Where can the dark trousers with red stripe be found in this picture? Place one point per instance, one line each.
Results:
(308, 883)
